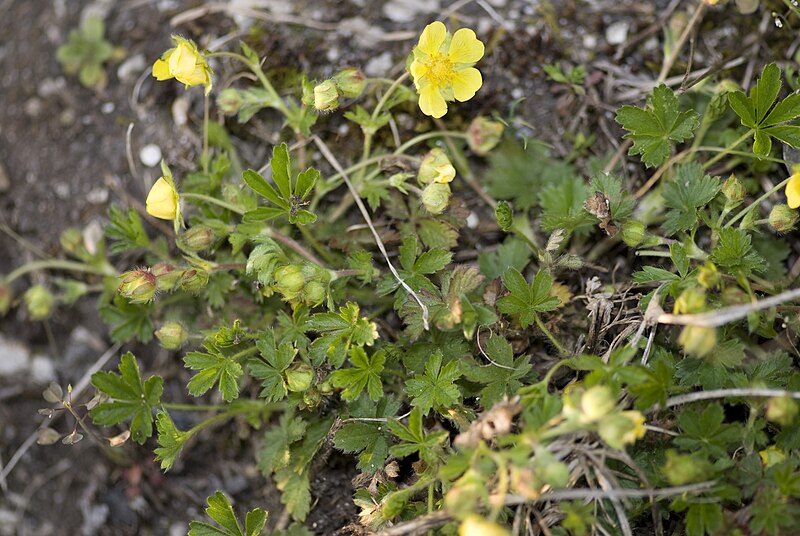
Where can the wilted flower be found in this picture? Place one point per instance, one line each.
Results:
(782, 218)
(436, 167)
(326, 96)
(443, 67)
(350, 82)
(185, 63)
(484, 134)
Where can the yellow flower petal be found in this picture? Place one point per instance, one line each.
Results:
(182, 61)
(432, 38)
(465, 47)
(417, 70)
(162, 201)
(198, 77)
(793, 191)
(431, 102)
(161, 70)
(465, 83)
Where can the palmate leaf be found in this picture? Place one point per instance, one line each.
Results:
(756, 111)
(289, 196)
(213, 367)
(527, 300)
(365, 373)
(690, 190)
(131, 398)
(270, 369)
(414, 439)
(220, 510)
(501, 376)
(369, 438)
(435, 388)
(655, 128)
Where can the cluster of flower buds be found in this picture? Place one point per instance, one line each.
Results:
(301, 283)
(596, 409)
(436, 172)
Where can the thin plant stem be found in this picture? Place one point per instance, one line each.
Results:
(757, 202)
(213, 201)
(549, 334)
(59, 264)
(205, 156)
(727, 150)
(278, 103)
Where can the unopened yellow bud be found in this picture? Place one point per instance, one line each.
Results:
(326, 96)
(351, 82)
(193, 280)
(435, 197)
(633, 233)
(782, 410)
(162, 201)
(782, 218)
(734, 191)
(691, 300)
(484, 134)
(139, 286)
(198, 238)
(475, 525)
(299, 378)
(172, 335)
(39, 302)
(698, 341)
(167, 276)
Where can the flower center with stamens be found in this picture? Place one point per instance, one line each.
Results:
(440, 69)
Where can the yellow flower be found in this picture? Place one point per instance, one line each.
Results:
(443, 67)
(793, 189)
(436, 167)
(185, 63)
(638, 426)
(162, 201)
(475, 525)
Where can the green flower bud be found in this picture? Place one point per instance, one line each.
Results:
(698, 341)
(6, 297)
(691, 300)
(39, 302)
(289, 281)
(193, 280)
(230, 101)
(299, 378)
(684, 468)
(198, 238)
(435, 167)
(172, 335)
(326, 96)
(435, 197)
(596, 403)
(782, 410)
(782, 218)
(139, 286)
(633, 233)
(350, 82)
(484, 134)
(167, 276)
(71, 240)
(504, 215)
(734, 191)
(314, 293)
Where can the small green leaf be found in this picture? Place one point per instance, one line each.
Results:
(524, 300)
(260, 185)
(690, 190)
(364, 373)
(655, 128)
(170, 440)
(281, 169)
(213, 367)
(132, 398)
(435, 388)
(220, 510)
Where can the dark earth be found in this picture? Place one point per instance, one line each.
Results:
(63, 163)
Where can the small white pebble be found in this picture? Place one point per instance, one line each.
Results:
(472, 220)
(107, 107)
(150, 155)
(617, 33)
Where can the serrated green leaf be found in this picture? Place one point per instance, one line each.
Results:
(170, 440)
(131, 398)
(365, 373)
(655, 128)
(213, 367)
(524, 300)
(734, 252)
(281, 170)
(435, 388)
(690, 190)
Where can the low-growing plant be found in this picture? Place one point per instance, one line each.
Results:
(535, 386)
(86, 52)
